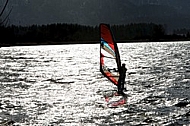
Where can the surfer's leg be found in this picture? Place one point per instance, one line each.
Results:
(122, 86)
(119, 87)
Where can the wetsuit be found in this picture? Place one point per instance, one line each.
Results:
(121, 80)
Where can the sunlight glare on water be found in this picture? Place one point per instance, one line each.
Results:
(54, 85)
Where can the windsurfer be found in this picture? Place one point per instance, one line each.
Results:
(121, 81)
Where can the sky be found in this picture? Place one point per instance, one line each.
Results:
(172, 13)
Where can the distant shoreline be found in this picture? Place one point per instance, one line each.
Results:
(65, 34)
(85, 42)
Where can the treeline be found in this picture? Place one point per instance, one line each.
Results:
(183, 32)
(46, 34)
(141, 31)
(73, 33)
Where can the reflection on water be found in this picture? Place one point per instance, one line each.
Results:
(43, 85)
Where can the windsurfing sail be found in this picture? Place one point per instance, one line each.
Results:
(110, 63)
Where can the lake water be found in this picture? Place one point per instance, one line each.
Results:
(62, 85)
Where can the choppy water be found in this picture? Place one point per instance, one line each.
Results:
(62, 85)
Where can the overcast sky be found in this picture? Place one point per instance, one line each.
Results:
(173, 13)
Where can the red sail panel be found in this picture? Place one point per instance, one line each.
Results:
(106, 35)
(109, 55)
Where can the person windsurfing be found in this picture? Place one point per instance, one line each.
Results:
(121, 81)
(109, 55)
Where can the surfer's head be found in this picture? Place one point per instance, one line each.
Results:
(123, 65)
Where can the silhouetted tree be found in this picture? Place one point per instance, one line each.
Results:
(3, 20)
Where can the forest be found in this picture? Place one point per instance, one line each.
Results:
(63, 33)
(73, 33)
